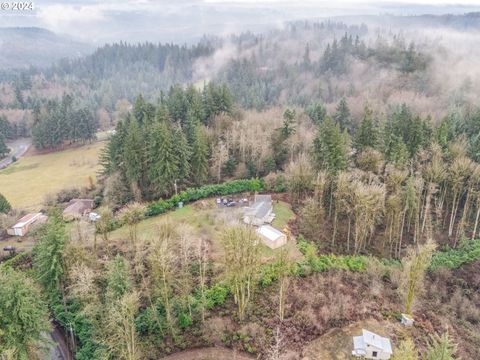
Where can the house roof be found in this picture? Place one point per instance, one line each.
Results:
(359, 346)
(377, 341)
(78, 207)
(26, 220)
(270, 232)
(261, 206)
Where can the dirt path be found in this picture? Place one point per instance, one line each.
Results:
(18, 148)
(212, 353)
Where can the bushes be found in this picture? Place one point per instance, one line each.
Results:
(467, 252)
(192, 194)
(313, 263)
(321, 263)
(216, 295)
(74, 320)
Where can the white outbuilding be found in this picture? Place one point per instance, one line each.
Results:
(271, 237)
(371, 346)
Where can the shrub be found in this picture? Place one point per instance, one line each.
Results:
(216, 295)
(467, 252)
(321, 263)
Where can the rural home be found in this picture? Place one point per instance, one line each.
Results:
(271, 237)
(371, 346)
(24, 224)
(77, 208)
(261, 212)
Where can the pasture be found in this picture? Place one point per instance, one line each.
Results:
(27, 182)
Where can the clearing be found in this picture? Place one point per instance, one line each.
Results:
(208, 220)
(26, 182)
(337, 343)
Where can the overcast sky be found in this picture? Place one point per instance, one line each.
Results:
(188, 20)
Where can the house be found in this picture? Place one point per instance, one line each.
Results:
(271, 237)
(371, 346)
(24, 224)
(261, 212)
(77, 208)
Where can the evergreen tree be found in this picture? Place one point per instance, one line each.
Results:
(133, 148)
(182, 154)
(48, 256)
(5, 206)
(4, 150)
(342, 116)
(316, 112)
(23, 317)
(441, 348)
(200, 157)
(396, 151)
(330, 147)
(163, 167)
(366, 135)
(288, 127)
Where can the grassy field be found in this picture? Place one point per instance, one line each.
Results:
(26, 183)
(283, 214)
(208, 220)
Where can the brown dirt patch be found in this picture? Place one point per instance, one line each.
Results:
(337, 343)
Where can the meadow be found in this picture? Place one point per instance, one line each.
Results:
(207, 220)
(27, 182)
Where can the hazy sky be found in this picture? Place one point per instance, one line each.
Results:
(187, 20)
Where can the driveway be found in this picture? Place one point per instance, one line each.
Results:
(18, 148)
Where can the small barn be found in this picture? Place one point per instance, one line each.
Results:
(371, 346)
(271, 237)
(260, 212)
(24, 224)
(77, 208)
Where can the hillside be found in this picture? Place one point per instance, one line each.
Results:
(25, 47)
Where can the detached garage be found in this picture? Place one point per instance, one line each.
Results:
(271, 237)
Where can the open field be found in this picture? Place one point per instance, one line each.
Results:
(26, 182)
(208, 221)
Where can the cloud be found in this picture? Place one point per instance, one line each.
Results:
(59, 16)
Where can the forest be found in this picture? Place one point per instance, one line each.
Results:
(371, 158)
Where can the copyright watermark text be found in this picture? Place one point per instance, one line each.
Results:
(16, 5)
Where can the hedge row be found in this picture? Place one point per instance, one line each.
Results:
(192, 194)
(467, 252)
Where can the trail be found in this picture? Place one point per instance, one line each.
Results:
(59, 350)
(217, 353)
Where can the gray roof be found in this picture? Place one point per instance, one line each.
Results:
(261, 207)
(377, 341)
(260, 198)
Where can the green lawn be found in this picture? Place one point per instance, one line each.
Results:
(26, 182)
(207, 221)
(283, 214)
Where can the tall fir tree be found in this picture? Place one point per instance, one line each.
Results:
(132, 154)
(162, 160)
(366, 136)
(330, 147)
(4, 150)
(342, 116)
(200, 156)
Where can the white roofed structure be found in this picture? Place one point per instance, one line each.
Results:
(271, 237)
(371, 346)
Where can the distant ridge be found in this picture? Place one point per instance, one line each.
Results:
(22, 47)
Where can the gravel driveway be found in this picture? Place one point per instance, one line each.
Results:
(19, 148)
